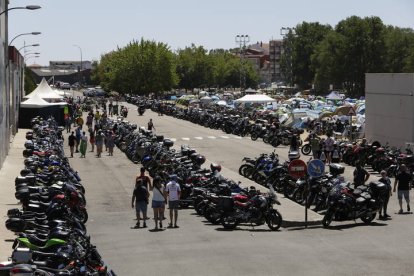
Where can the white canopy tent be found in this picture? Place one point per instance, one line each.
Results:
(35, 101)
(255, 98)
(44, 91)
(334, 95)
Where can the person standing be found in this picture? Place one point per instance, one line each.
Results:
(92, 138)
(99, 140)
(386, 180)
(140, 196)
(173, 192)
(403, 181)
(89, 120)
(78, 133)
(151, 125)
(294, 143)
(83, 144)
(72, 141)
(67, 123)
(360, 175)
(158, 202)
(110, 142)
(329, 147)
(314, 142)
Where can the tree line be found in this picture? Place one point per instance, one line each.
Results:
(320, 55)
(314, 56)
(145, 66)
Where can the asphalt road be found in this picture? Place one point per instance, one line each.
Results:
(198, 248)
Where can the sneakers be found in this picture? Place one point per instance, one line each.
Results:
(387, 216)
(408, 207)
(144, 226)
(160, 224)
(400, 212)
(381, 217)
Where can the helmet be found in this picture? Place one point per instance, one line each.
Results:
(215, 167)
(200, 159)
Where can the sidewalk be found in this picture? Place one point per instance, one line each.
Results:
(11, 168)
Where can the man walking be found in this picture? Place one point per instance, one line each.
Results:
(71, 141)
(151, 125)
(173, 191)
(140, 196)
(403, 181)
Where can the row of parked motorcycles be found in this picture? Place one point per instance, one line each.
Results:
(220, 200)
(50, 225)
(329, 194)
(239, 124)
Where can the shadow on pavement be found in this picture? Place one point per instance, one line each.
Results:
(347, 226)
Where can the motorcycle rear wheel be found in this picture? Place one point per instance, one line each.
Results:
(274, 220)
(242, 169)
(254, 136)
(369, 219)
(229, 222)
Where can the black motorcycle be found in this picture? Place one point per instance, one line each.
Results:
(363, 202)
(258, 210)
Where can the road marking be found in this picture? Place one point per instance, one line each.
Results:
(185, 139)
(198, 138)
(225, 137)
(237, 137)
(173, 139)
(211, 137)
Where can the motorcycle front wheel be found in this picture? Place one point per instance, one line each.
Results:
(306, 149)
(254, 136)
(229, 222)
(327, 219)
(274, 220)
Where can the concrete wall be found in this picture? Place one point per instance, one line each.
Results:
(390, 108)
(4, 130)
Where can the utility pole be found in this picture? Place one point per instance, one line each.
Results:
(242, 40)
(288, 49)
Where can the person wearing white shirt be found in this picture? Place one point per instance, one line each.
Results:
(173, 191)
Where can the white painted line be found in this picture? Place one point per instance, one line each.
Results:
(225, 137)
(237, 137)
(185, 139)
(173, 139)
(211, 137)
(198, 138)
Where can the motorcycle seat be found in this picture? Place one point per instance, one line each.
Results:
(360, 200)
(34, 239)
(357, 192)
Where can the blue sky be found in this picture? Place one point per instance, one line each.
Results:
(99, 26)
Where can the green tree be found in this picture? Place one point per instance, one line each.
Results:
(305, 39)
(139, 68)
(29, 81)
(399, 46)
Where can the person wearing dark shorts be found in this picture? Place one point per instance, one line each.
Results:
(140, 197)
(403, 181)
(173, 191)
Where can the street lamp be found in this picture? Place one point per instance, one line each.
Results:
(29, 7)
(32, 45)
(30, 58)
(32, 33)
(80, 73)
(242, 40)
(30, 53)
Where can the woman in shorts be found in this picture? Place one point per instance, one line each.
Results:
(158, 202)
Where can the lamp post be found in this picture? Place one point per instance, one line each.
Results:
(242, 40)
(29, 7)
(32, 45)
(30, 58)
(80, 72)
(32, 33)
(30, 53)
